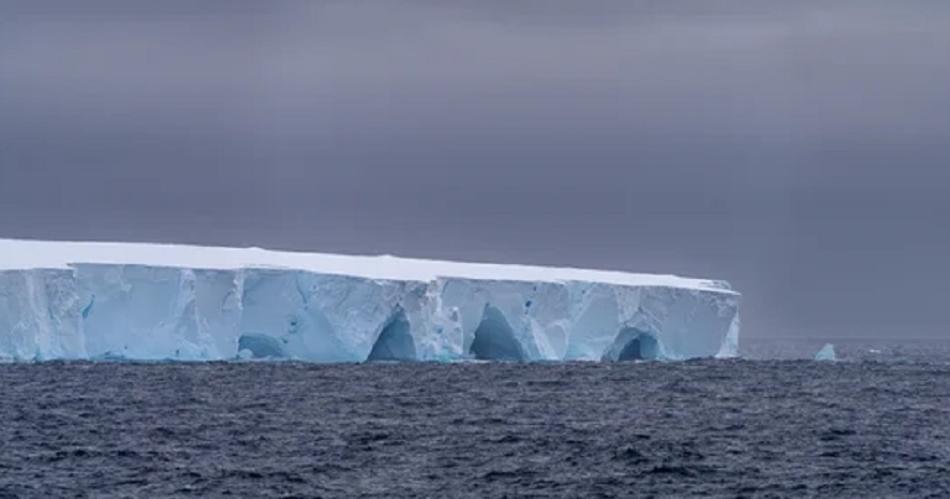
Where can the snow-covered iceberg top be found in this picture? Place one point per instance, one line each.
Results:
(153, 301)
(24, 254)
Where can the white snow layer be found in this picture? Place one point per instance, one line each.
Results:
(67, 300)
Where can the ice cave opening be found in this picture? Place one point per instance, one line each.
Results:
(260, 346)
(395, 341)
(643, 346)
(494, 338)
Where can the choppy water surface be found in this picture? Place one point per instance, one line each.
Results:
(865, 427)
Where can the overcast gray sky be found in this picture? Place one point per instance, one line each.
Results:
(800, 150)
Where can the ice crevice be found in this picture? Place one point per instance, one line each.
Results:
(315, 308)
(644, 347)
(494, 339)
(260, 346)
(395, 341)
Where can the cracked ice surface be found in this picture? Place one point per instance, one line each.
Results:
(63, 300)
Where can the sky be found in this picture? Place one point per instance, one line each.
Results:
(799, 150)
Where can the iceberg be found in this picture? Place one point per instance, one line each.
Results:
(84, 300)
(827, 353)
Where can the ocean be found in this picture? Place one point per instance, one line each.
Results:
(772, 424)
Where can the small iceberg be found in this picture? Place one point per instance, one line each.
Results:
(827, 353)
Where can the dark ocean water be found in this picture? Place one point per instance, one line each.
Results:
(871, 425)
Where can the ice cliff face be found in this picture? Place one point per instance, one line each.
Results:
(153, 302)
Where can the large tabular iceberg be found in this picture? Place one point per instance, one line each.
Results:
(154, 302)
